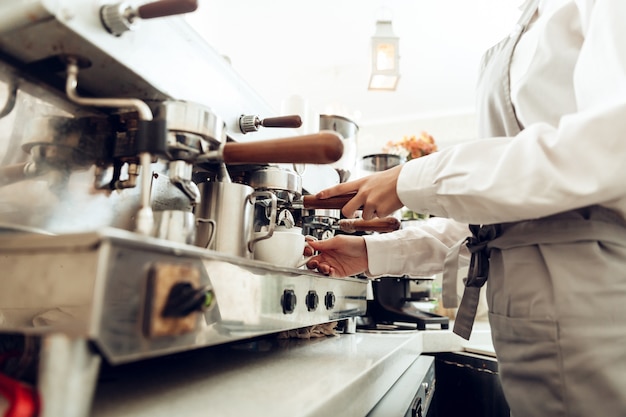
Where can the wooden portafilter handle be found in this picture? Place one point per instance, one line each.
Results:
(318, 148)
(383, 225)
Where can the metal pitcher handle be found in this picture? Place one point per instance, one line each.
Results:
(212, 234)
(273, 211)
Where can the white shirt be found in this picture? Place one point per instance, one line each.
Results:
(568, 86)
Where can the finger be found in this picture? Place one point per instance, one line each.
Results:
(340, 189)
(308, 249)
(355, 203)
(316, 245)
(369, 213)
(324, 269)
(322, 245)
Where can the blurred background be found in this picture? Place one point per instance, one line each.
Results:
(314, 57)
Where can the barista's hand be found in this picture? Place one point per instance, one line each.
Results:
(376, 193)
(340, 256)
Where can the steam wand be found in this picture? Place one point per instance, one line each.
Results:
(145, 218)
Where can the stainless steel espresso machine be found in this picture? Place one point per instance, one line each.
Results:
(134, 163)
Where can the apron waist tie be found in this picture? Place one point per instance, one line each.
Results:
(477, 275)
(589, 223)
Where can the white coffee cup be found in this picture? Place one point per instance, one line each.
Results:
(284, 248)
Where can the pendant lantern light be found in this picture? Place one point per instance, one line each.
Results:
(385, 58)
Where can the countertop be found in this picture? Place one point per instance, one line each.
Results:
(447, 341)
(342, 375)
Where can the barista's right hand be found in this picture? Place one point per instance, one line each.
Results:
(376, 193)
(340, 256)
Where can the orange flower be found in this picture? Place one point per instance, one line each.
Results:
(412, 147)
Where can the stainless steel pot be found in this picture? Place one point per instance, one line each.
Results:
(225, 217)
(342, 125)
(379, 162)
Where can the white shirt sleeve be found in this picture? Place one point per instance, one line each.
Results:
(415, 251)
(551, 166)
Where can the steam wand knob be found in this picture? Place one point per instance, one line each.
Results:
(252, 123)
(121, 17)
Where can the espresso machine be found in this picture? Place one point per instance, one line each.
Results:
(135, 165)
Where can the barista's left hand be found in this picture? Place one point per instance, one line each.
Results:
(339, 256)
(376, 193)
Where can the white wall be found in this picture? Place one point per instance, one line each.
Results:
(320, 50)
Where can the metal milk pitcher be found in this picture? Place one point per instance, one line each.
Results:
(231, 207)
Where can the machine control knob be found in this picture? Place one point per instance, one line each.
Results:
(289, 301)
(252, 123)
(184, 299)
(312, 300)
(121, 17)
(329, 300)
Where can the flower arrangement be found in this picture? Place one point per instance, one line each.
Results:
(411, 147)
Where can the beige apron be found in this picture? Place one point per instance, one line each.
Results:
(496, 117)
(556, 292)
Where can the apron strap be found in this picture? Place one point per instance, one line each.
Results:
(477, 275)
(464, 321)
(450, 272)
